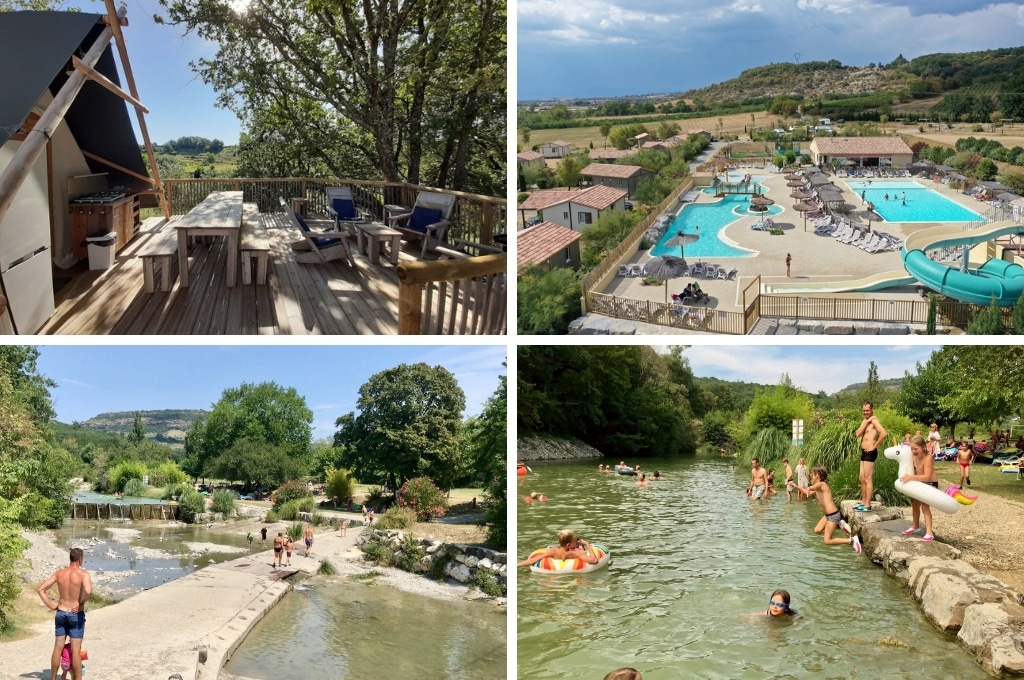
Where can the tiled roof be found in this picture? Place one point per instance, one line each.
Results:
(545, 198)
(598, 197)
(660, 144)
(529, 155)
(558, 142)
(860, 146)
(609, 170)
(536, 244)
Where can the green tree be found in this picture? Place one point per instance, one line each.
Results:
(408, 425)
(568, 172)
(138, 433)
(415, 88)
(986, 169)
(873, 390)
(988, 321)
(933, 303)
(605, 128)
(777, 407)
(266, 413)
(488, 444)
(524, 132)
(986, 381)
(340, 484)
(547, 299)
(256, 463)
(1011, 96)
(1018, 316)
(921, 393)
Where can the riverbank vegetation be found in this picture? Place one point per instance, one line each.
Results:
(633, 402)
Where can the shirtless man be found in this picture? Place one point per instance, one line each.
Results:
(307, 536)
(871, 434)
(789, 479)
(279, 542)
(74, 586)
(758, 481)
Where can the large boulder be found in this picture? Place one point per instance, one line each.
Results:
(886, 545)
(461, 573)
(995, 633)
(946, 588)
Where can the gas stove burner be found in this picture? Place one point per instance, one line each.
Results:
(101, 197)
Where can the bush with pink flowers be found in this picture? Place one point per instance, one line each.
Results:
(424, 498)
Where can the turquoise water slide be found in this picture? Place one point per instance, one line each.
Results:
(1004, 280)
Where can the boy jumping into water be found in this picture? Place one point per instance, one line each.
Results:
(832, 519)
(871, 434)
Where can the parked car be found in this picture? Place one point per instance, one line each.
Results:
(629, 206)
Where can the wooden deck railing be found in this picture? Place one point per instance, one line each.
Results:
(948, 312)
(475, 218)
(697, 318)
(453, 297)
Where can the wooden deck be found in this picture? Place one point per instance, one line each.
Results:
(299, 299)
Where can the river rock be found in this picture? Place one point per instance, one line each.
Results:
(471, 561)
(995, 633)
(424, 564)
(946, 588)
(896, 554)
(503, 570)
(548, 448)
(461, 573)
(461, 557)
(433, 547)
(485, 563)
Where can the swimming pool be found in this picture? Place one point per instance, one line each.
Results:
(711, 218)
(922, 203)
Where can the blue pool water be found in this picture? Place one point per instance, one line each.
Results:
(711, 218)
(923, 204)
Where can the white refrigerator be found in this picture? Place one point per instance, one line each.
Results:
(26, 272)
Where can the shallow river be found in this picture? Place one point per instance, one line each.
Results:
(356, 631)
(693, 560)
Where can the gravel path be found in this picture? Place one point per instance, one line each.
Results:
(990, 535)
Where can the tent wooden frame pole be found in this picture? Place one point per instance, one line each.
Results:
(122, 50)
(21, 164)
(97, 77)
(114, 165)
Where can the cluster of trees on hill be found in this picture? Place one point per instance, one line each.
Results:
(192, 145)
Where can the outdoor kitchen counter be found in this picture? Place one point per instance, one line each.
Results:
(220, 214)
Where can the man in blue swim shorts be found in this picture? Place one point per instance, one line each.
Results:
(74, 586)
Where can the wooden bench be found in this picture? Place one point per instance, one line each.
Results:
(161, 250)
(253, 243)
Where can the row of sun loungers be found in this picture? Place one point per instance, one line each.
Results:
(708, 271)
(873, 172)
(850, 234)
(689, 197)
(763, 225)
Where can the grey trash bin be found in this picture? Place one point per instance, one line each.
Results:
(102, 249)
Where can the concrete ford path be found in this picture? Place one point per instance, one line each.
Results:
(161, 631)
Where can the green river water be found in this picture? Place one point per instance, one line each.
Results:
(693, 562)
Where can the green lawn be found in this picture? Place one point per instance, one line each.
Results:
(985, 477)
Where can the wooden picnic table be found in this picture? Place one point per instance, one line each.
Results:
(219, 214)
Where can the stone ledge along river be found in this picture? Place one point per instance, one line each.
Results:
(693, 563)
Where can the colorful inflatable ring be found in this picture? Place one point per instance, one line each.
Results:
(550, 565)
(521, 471)
(625, 470)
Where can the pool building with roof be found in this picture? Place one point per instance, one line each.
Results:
(862, 151)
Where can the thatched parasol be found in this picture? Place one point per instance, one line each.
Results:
(794, 175)
(796, 183)
(800, 194)
(681, 240)
(666, 267)
(761, 202)
(804, 208)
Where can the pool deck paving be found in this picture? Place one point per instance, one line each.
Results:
(160, 632)
(815, 257)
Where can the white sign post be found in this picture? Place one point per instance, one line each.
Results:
(798, 432)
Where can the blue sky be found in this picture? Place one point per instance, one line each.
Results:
(99, 378)
(810, 367)
(178, 101)
(619, 47)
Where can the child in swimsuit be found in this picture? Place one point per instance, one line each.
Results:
(924, 471)
(569, 547)
(778, 605)
(832, 519)
(965, 456)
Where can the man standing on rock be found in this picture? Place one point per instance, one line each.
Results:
(74, 586)
(871, 434)
(307, 535)
(279, 550)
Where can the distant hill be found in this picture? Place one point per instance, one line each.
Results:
(890, 385)
(167, 426)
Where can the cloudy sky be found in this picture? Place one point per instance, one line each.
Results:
(618, 47)
(811, 367)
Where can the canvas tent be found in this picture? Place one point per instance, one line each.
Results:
(63, 114)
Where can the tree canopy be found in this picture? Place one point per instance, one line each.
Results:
(408, 425)
(409, 90)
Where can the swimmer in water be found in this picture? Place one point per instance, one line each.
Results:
(778, 605)
(569, 547)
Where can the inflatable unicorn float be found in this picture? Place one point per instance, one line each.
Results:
(948, 502)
